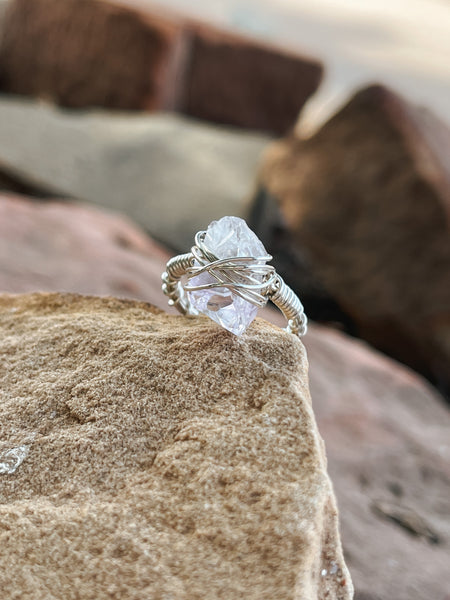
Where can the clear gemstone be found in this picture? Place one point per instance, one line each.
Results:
(227, 238)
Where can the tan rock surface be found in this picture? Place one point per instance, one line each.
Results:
(67, 247)
(162, 457)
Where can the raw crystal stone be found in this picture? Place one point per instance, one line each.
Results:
(227, 238)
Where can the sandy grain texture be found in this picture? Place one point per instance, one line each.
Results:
(165, 458)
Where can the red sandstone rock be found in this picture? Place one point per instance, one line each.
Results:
(94, 53)
(359, 217)
(386, 433)
(90, 53)
(238, 81)
(51, 246)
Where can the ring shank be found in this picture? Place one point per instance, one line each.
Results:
(288, 302)
(175, 269)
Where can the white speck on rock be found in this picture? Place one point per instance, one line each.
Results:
(324, 572)
(11, 459)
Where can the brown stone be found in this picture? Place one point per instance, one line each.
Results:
(94, 53)
(56, 246)
(161, 456)
(91, 53)
(386, 433)
(359, 217)
(242, 82)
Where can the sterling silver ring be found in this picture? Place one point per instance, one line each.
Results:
(227, 278)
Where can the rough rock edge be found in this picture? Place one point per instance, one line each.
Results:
(51, 303)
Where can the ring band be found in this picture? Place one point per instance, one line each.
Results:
(229, 288)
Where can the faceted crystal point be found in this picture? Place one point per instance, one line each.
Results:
(227, 238)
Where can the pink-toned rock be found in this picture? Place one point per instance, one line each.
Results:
(55, 246)
(386, 433)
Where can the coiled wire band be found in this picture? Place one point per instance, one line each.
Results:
(248, 277)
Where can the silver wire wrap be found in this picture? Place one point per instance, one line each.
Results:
(246, 276)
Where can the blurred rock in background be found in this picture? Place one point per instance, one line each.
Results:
(101, 54)
(403, 43)
(60, 246)
(388, 447)
(3, 6)
(90, 53)
(236, 81)
(357, 218)
(170, 174)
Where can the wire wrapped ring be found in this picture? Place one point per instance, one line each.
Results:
(247, 277)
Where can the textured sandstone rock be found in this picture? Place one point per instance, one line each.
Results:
(151, 168)
(387, 438)
(56, 246)
(359, 220)
(95, 53)
(161, 457)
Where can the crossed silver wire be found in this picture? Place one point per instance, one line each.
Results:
(246, 276)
